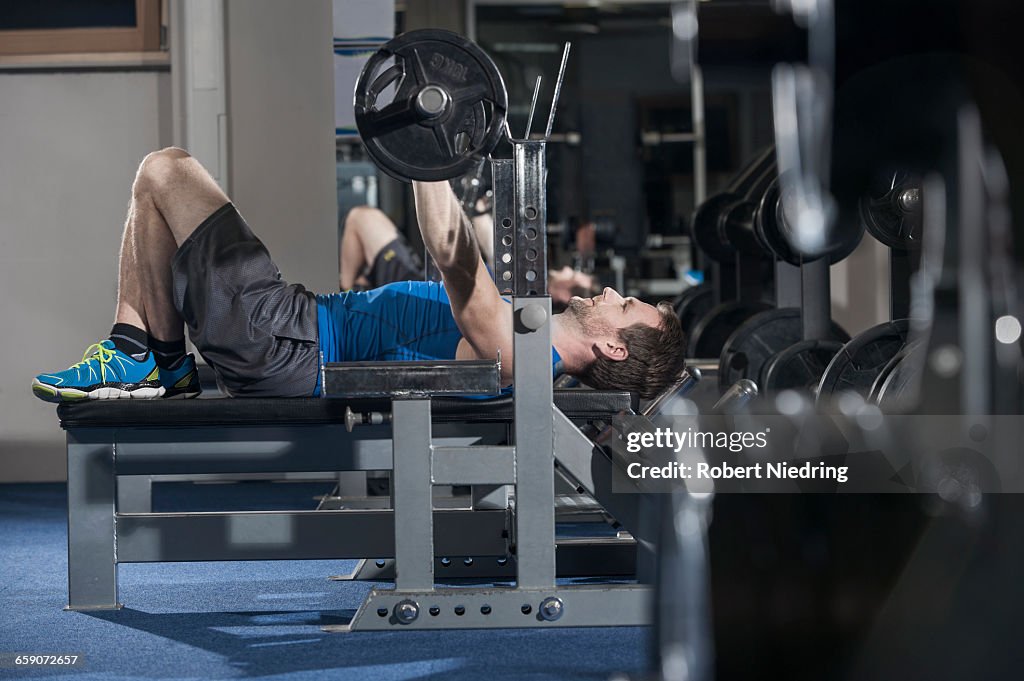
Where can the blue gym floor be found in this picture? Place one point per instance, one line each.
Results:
(255, 619)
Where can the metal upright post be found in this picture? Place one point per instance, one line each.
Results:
(817, 299)
(92, 564)
(788, 285)
(532, 372)
(535, 482)
(413, 495)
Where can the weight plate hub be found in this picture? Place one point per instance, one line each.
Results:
(892, 210)
(856, 366)
(429, 105)
(750, 346)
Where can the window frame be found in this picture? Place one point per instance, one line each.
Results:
(143, 37)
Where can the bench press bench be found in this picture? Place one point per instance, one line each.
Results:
(108, 440)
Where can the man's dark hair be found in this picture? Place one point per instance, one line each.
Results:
(655, 359)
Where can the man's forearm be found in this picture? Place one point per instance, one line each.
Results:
(447, 233)
(483, 229)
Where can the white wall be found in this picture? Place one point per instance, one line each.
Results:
(281, 118)
(69, 147)
(860, 287)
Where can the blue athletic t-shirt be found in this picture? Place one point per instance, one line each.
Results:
(405, 320)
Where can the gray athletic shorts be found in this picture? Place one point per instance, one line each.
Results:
(258, 332)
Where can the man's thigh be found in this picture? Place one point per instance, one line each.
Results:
(258, 332)
(395, 262)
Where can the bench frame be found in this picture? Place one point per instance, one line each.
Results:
(101, 535)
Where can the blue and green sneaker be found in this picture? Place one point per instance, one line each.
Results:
(181, 380)
(104, 373)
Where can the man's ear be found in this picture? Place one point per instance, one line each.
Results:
(612, 348)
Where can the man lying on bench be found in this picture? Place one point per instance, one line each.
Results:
(189, 259)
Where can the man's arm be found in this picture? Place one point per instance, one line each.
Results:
(483, 317)
(483, 227)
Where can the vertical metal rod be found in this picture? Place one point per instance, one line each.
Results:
(700, 172)
(900, 272)
(974, 312)
(817, 299)
(558, 90)
(533, 108)
(748, 276)
(788, 283)
(683, 633)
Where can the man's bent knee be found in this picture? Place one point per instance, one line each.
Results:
(370, 223)
(360, 216)
(158, 169)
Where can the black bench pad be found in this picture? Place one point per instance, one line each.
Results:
(225, 411)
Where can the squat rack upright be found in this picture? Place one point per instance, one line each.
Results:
(529, 464)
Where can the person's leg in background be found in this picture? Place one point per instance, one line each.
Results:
(171, 196)
(367, 231)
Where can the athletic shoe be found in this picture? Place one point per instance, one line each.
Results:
(104, 373)
(181, 381)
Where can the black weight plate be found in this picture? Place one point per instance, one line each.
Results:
(773, 231)
(857, 365)
(886, 371)
(798, 367)
(750, 346)
(704, 227)
(694, 303)
(896, 388)
(452, 75)
(892, 211)
(711, 331)
(767, 217)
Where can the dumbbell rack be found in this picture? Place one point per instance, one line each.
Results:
(529, 464)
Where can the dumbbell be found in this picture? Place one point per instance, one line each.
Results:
(739, 268)
(890, 210)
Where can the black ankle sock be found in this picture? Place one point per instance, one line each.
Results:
(167, 353)
(131, 340)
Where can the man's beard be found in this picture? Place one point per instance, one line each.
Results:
(585, 319)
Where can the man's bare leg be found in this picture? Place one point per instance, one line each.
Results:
(367, 231)
(171, 196)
